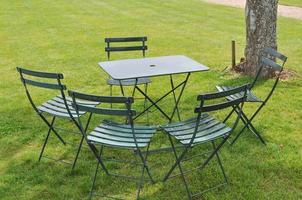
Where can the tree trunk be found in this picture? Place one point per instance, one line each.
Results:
(261, 23)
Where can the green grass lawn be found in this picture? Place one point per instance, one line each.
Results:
(291, 2)
(68, 37)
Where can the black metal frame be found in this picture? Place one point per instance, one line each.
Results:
(143, 47)
(264, 62)
(56, 86)
(179, 158)
(176, 99)
(129, 113)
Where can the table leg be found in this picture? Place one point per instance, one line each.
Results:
(122, 88)
(174, 96)
(133, 92)
(154, 103)
(179, 97)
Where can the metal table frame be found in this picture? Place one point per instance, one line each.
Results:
(154, 103)
(176, 99)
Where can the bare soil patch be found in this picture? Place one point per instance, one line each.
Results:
(285, 11)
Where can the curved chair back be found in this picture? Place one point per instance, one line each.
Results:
(142, 47)
(271, 54)
(203, 107)
(28, 79)
(126, 112)
(271, 64)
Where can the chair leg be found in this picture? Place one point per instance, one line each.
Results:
(98, 156)
(78, 152)
(254, 131)
(201, 167)
(140, 182)
(175, 164)
(250, 126)
(245, 122)
(229, 115)
(47, 136)
(95, 174)
(81, 143)
(52, 128)
(144, 168)
(258, 134)
(94, 179)
(220, 163)
(178, 160)
(181, 170)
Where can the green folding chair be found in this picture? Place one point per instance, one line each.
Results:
(114, 135)
(251, 97)
(122, 47)
(111, 49)
(201, 129)
(56, 107)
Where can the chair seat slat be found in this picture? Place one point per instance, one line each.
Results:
(137, 127)
(190, 127)
(185, 122)
(210, 137)
(203, 128)
(54, 113)
(209, 130)
(249, 98)
(125, 129)
(102, 141)
(59, 109)
(123, 134)
(118, 138)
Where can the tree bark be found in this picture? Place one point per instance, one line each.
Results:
(261, 23)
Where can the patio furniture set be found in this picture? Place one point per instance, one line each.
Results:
(183, 135)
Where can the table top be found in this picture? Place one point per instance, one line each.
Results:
(150, 67)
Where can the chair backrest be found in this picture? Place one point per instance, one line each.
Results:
(269, 63)
(141, 47)
(203, 107)
(126, 112)
(46, 80)
(273, 55)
